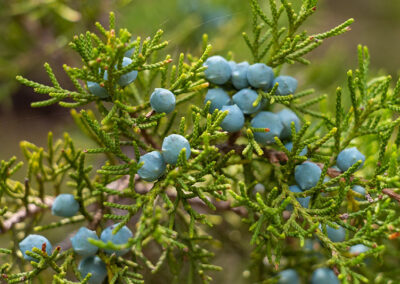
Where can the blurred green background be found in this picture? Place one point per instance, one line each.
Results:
(36, 31)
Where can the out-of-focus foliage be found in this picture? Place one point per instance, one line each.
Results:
(33, 29)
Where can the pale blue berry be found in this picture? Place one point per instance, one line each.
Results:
(359, 189)
(129, 77)
(172, 146)
(120, 238)
(288, 276)
(304, 201)
(95, 266)
(80, 242)
(239, 75)
(218, 98)
(259, 188)
(289, 146)
(287, 116)
(65, 205)
(34, 241)
(336, 235)
(218, 70)
(234, 121)
(357, 249)
(287, 85)
(153, 166)
(266, 119)
(349, 157)
(97, 90)
(324, 276)
(244, 99)
(162, 100)
(307, 175)
(232, 64)
(260, 76)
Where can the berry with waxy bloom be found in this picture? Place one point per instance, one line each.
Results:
(80, 242)
(286, 85)
(172, 146)
(153, 166)
(218, 98)
(65, 205)
(307, 175)
(218, 70)
(270, 120)
(95, 266)
(287, 117)
(234, 121)
(34, 241)
(349, 157)
(162, 100)
(239, 75)
(260, 76)
(244, 99)
(121, 237)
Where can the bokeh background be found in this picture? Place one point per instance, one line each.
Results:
(37, 31)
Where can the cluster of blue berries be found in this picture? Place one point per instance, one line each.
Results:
(124, 80)
(90, 263)
(154, 163)
(307, 176)
(246, 79)
(308, 173)
(319, 276)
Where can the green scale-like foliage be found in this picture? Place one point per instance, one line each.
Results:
(174, 215)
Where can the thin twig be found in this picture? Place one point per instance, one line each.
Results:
(22, 214)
